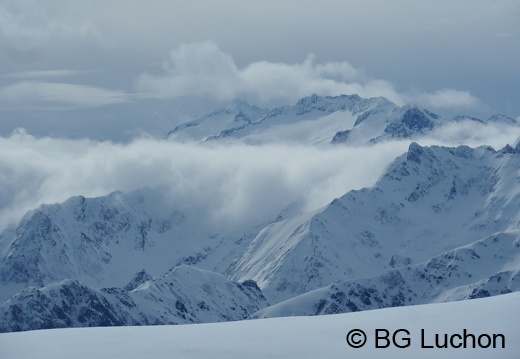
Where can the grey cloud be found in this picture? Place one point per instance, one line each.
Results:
(29, 27)
(31, 75)
(31, 94)
(447, 99)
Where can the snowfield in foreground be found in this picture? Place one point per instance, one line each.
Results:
(296, 337)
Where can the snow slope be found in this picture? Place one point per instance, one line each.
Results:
(430, 200)
(485, 268)
(297, 337)
(185, 295)
(235, 115)
(318, 120)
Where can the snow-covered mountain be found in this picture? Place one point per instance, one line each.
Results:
(105, 241)
(487, 267)
(430, 200)
(318, 119)
(235, 115)
(440, 224)
(119, 259)
(185, 295)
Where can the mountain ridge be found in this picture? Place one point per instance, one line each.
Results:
(184, 295)
(317, 119)
(132, 248)
(431, 199)
(481, 269)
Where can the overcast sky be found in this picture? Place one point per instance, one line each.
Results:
(71, 67)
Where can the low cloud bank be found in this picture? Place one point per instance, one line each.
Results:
(224, 185)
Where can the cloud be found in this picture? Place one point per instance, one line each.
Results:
(30, 94)
(224, 186)
(45, 74)
(202, 69)
(447, 99)
(474, 134)
(28, 27)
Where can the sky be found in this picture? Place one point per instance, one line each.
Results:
(113, 70)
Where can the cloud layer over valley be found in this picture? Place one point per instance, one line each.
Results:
(226, 185)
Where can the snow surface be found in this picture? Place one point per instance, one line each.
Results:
(297, 337)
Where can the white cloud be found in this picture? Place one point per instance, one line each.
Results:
(45, 74)
(194, 70)
(447, 99)
(474, 134)
(27, 94)
(222, 185)
(226, 186)
(202, 69)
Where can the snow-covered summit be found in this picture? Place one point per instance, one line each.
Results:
(317, 120)
(102, 241)
(184, 295)
(236, 114)
(429, 201)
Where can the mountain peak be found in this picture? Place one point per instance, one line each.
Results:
(414, 152)
(238, 105)
(326, 103)
(320, 119)
(502, 119)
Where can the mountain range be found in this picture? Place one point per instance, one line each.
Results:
(441, 224)
(295, 337)
(317, 119)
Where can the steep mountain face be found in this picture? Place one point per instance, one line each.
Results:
(487, 267)
(192, 295)
(103, 241)
(318, 119)
(185, 295)
(236, 115)
(430, 200)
